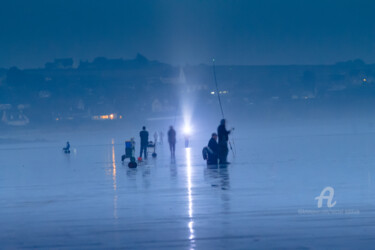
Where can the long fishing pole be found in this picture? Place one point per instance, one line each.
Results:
(217, 88)
(219, 99)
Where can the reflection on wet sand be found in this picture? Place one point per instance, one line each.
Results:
(173, 169)
(217, 176)
(131, 173)
(190, 198)
(94, 201)
(114, 180)
(144, 170)
(114, 165)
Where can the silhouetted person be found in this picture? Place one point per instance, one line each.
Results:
(172, 140)
(144, 142)
(213, 149)
(223, 135)
(67, 146)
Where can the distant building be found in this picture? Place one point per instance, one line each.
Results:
(64, 63)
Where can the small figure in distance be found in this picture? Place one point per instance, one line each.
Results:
(144, 142)
(213, 150)
(187, 139)
(223, 134)
(156, 138)
(172, 140)
(161, 136)
(67, 148)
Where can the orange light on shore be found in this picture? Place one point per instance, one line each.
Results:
(112, 116)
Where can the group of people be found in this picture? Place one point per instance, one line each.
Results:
(217, 149)
(218, 145)
(145, 142)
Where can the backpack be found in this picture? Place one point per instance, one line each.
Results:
(205, 153)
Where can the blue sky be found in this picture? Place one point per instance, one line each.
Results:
(188, 31)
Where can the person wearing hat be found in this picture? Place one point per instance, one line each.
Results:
(213, 150)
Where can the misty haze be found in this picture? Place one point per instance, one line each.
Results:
(187, 124)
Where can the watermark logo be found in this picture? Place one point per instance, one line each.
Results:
(329, 197)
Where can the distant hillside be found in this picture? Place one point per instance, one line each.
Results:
(127, 89)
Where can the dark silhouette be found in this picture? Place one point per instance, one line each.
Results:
(213, 150)
(129, 150)
(172, 140)
(223, 134)
(144, 142)
(67, 148)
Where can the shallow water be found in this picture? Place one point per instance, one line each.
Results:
(264, 199)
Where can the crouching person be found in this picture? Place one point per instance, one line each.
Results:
(213, 150)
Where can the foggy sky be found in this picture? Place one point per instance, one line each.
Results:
(187, 31)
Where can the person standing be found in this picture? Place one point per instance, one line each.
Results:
(144, 142)
(223, 135)
(172, 140)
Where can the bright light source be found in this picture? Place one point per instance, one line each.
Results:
(187, 130)
(111, 116)
(212, 92)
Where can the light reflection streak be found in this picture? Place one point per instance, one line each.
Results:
(114, 165)
(190, 198)
(114, 179)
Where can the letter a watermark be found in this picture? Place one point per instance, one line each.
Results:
(328, 197)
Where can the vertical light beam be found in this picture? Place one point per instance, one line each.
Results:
(114, 180)
(190, 198)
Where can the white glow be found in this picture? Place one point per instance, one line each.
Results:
(187, 129)
(114, 180)
(190, 198)
(114, 165)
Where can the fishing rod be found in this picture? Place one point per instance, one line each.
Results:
(219, 99)
(217, 88)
